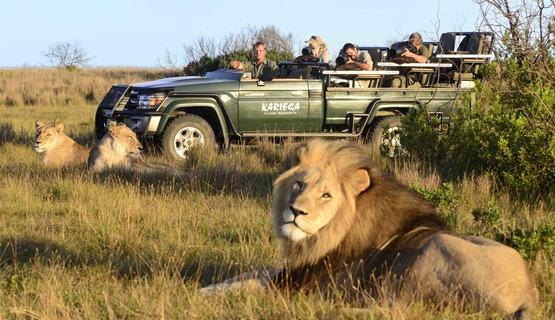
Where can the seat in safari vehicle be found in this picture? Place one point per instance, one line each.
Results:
(305, 69)
(463, 43)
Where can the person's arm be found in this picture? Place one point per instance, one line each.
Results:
(366, 63)
(417, 58)
(361, 65)
(326, 57)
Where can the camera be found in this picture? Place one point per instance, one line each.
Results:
(411, 48)
(307, 51)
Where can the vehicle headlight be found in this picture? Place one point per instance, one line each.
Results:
(147, 101)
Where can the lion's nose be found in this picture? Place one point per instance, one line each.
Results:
(297, 212)
(140, 147)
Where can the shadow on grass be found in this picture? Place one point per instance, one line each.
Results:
(16, 253)
(8, 134)
(224, 179)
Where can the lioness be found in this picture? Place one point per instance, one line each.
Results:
(349, 230)
(121, 148)
(118, 148)
(58, 150)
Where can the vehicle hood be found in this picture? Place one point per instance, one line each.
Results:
(188, 84)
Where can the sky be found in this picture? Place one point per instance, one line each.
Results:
(139, 33)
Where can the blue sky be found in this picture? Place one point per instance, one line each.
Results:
(139, 32)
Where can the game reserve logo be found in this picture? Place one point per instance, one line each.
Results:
(280, 108)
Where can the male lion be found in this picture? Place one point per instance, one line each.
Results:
(119, 147)
(349, 230)
(58, 150)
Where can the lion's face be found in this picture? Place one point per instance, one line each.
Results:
(47, 136)
(313, 198)
(316, 197)
(125, 141)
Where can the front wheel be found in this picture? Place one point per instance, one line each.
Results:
(186, 132)
(386, 138)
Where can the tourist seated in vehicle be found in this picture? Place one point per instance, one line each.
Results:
(317, 48)
(417, 52)
(259, 66)
(356, 59)
(351, 58)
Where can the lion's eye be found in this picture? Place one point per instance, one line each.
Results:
(326, 196)
(299, 184)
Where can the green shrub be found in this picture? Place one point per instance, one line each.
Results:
(490, 215)
(530, 242)
(421, 137)
(508, 134)
(443, 199)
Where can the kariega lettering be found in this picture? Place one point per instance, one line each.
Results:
(281, 107)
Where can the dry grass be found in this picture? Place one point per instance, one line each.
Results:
(78, 245)
(62, 87)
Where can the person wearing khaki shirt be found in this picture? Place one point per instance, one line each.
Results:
(358, 59)
(259, 66)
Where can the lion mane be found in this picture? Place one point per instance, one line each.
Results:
(118, 148)
(346, 227)
(57, 149)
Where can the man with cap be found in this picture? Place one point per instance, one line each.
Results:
(319, 48)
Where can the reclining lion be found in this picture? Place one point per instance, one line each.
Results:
(120, 148)
(58, 150)
(348, 230)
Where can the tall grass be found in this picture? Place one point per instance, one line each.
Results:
(63, 87)
(80, 245)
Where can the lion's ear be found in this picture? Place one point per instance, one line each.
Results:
(295, 156)
(60, 127)
(38, 124)
(360, 180)
(112, 130)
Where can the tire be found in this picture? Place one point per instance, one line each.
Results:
(186, 132)
(386, 136)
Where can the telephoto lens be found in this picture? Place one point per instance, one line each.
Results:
(307, 51)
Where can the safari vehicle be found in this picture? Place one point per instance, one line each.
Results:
(308, 99)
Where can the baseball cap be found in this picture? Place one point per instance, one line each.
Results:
(314, 40)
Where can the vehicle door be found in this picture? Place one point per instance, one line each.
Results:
(280, 105)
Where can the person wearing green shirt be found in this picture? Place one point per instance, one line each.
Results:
(259, 66)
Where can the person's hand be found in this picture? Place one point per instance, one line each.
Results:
(234, 64)
(406, 53)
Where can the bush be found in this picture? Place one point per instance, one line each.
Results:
(509, 133)
(421, 138)
(531, 242)
(444, 199)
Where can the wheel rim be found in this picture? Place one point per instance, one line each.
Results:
(391, 141)
(187, 138)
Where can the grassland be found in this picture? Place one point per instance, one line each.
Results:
(78, 245)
